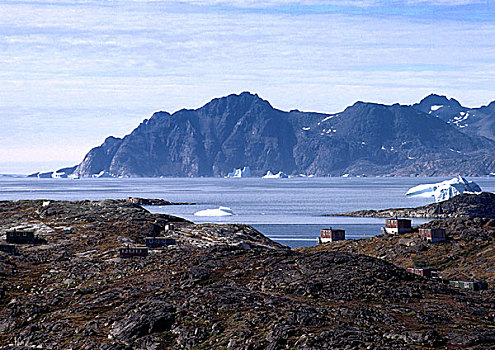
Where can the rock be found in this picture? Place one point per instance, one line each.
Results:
(143, 319)
(208, 292)
(466, 205)
(152, 201)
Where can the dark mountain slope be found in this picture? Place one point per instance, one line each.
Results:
(245, 130)
(225, 133)
(377, 139)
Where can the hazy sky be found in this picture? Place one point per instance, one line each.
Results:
(75, 72)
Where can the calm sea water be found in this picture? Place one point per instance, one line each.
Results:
(286, 210)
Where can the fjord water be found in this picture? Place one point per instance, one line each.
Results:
(289, 211)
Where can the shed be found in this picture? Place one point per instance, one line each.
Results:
(397, 226)
(129, 252)
(21, 236)
(155, 242)
(9, 249)
(423, 271)
(331, 235)
(471, 285)
(432, 234)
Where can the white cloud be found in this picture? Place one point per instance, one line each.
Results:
(117, 57)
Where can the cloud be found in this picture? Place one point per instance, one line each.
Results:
(446, 2)
(66, 67)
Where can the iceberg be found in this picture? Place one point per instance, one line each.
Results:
(220, 211)
(238, 173)
(444, 190)
(101, 174)
(270, 175)
(299, 175)
(60, 175)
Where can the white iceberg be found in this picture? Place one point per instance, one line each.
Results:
(60, 175)
(299, 175)
(220, 211)
(444, 190)
(101, 174)
(270, 175)
(238, 173)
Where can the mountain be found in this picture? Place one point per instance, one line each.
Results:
(472, 121)
(245, 130)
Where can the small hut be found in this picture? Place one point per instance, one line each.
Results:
(156, 242)
(397, 226)
(21, 236)
(432, 234)
(423, 271)
(9, 249)
(331, 235)
(470, 285)
(129, 252)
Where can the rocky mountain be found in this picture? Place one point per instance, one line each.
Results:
(472, 121)
(245, 130)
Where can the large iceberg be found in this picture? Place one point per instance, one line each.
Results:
(237, 173)
(444, 190)
(270, 175)
(221, 211)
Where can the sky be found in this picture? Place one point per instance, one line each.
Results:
(74, 72)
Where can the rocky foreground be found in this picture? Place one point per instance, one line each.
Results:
(465, 205)
(219, 287)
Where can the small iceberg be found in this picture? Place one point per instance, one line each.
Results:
(300, 175)
(270, 175)
(444, 190)
(61, 175)
(220, 211)
(238, 173)
(102, 174)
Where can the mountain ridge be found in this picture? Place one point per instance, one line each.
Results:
(245, 130)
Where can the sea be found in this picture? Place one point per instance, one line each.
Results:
(289, 211)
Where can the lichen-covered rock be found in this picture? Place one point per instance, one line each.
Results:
(465, 205)
(223, 286)
(142, 319)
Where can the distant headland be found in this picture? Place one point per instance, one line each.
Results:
(435, 137)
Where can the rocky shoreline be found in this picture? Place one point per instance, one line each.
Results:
(218, 287)
(465, 205)
(154, 201)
